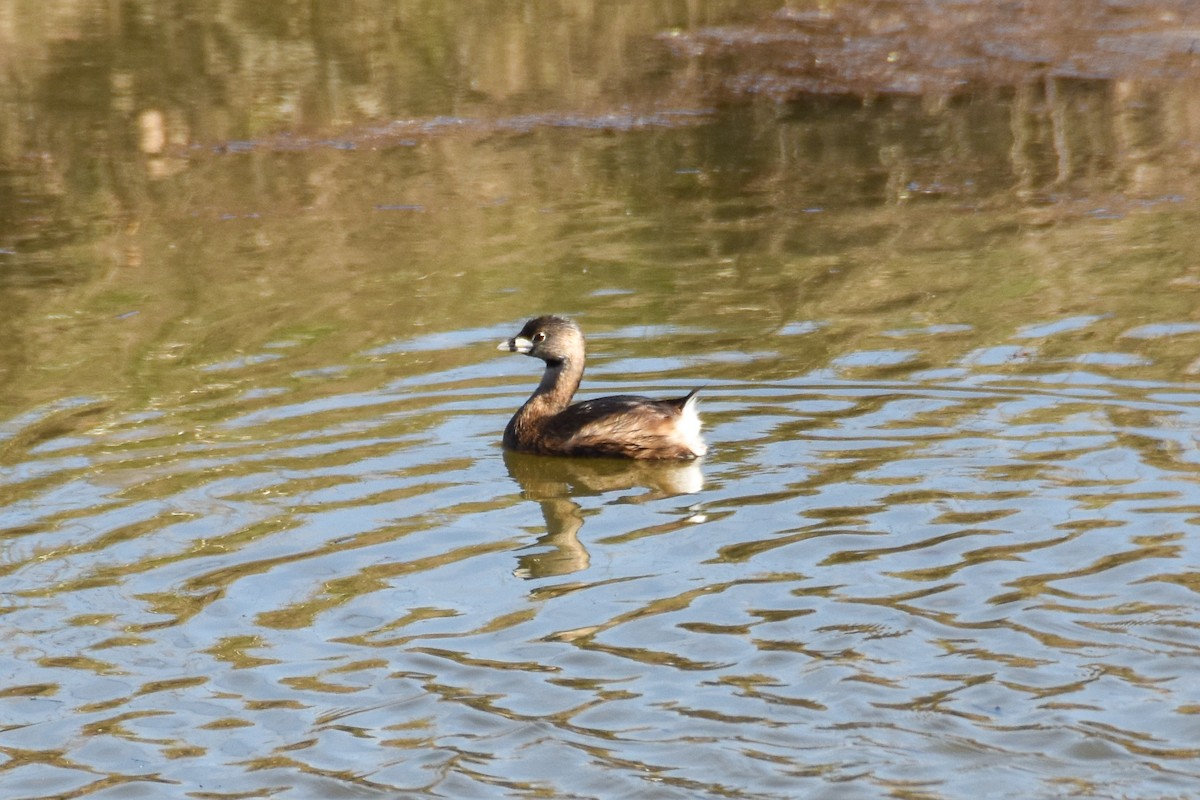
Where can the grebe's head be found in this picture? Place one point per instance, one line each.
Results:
(552, 339)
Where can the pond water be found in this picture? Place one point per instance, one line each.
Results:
(257, 534)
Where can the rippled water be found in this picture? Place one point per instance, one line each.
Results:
(955, 581)
(257, 534)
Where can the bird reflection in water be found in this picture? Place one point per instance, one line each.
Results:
(555, 483)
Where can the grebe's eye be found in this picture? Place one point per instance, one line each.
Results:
(539, 337)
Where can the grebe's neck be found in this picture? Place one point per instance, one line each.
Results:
(559, 382)
(553, 394)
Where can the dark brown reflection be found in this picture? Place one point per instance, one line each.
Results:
(882, 47)
(554, 483)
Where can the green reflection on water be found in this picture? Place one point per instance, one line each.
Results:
(158, 264)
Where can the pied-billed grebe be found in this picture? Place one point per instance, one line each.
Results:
(623, 425)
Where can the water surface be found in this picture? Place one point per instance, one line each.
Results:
(257, 534)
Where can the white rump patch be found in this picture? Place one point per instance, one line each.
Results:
(688, 427)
